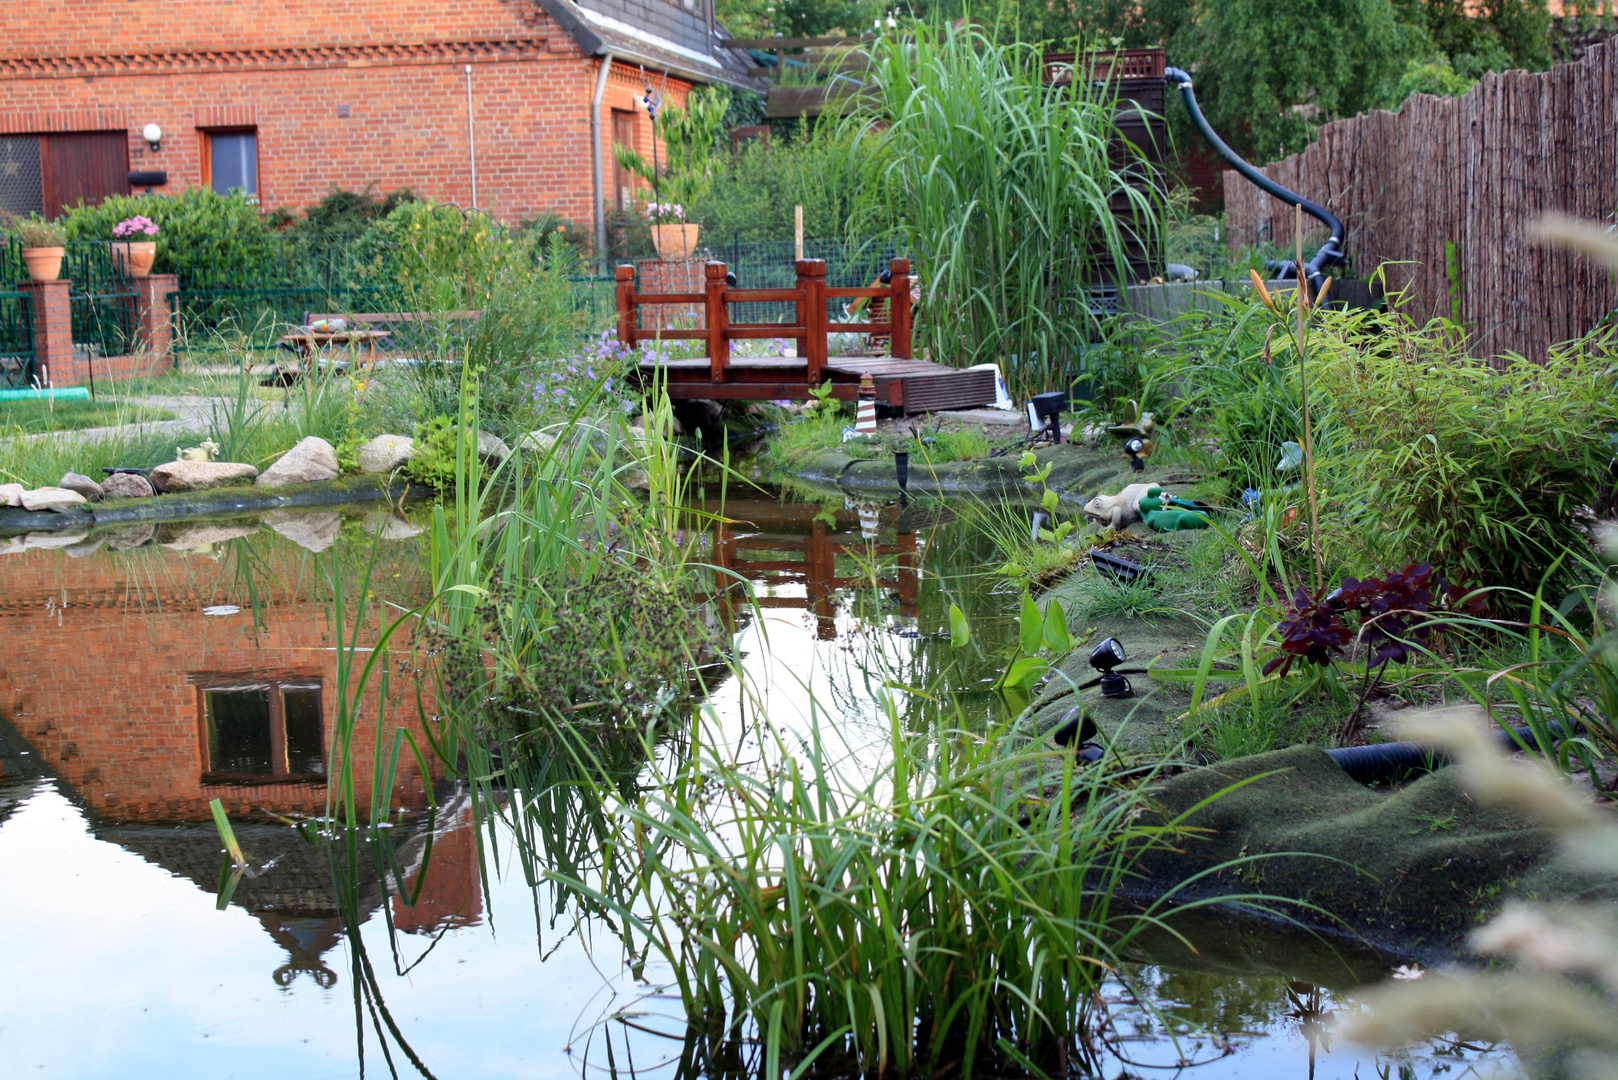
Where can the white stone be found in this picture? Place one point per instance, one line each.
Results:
(11, 494)
(386, 453)
(82, 484)
(492, 447)
(200, 475)
(312, 459)
(51, 498)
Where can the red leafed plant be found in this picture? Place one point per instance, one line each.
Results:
(1390, 614)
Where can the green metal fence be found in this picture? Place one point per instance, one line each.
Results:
(16, 340)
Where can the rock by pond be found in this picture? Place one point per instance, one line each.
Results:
(11, 494)
(200, 475)
(51, 498)
(82, 484)
(385, 453)
(311, 459)
(126, 485)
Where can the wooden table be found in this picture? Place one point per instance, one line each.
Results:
(310, 342)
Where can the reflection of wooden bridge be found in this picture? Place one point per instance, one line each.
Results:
(754, 530)
(901, 380)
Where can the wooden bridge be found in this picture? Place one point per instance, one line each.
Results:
(901, 380)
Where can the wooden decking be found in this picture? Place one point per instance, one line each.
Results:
(912, 385)
(901, 381)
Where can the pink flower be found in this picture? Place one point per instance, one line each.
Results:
(139, 225)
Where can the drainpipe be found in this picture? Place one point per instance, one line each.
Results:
(471, 137)
(595, 157)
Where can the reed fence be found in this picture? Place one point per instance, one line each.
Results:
(1446, 187)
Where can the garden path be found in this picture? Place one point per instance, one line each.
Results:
(192, 413)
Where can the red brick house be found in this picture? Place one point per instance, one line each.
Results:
(508, 105)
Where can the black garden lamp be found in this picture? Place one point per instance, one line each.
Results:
(1107, 655)
(1135, 448)
(1048, 407)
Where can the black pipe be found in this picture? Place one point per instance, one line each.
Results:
(1331, 252)
(1394, 761)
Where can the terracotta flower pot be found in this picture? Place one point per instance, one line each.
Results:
(44, 264)
(134, 258)
(675, 241)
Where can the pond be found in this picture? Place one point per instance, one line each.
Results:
(143, 674)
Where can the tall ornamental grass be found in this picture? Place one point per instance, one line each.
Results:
(1001, 187)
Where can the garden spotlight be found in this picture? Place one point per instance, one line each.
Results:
(1047, 407)
(1107, 655)
(1135, 448)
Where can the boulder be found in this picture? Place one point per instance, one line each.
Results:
(312, 459)
(128, 537)
(125, 485)
(11, 494)
(386, 453)
(315, 530)
(386, 526)
(13, 545)
(537, 442)
(200, 475)
(492, 448)
(51, 498)
(85, 486)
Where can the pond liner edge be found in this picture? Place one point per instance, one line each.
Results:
(214, 502)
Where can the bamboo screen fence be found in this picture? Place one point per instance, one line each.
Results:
(1446, 187)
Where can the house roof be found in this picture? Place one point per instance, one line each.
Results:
(665, 35)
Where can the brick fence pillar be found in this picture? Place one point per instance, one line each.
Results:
(154, 321)
(53, 331)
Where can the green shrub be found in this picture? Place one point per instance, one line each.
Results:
(753, 196)
(36, 232)
(433, 463)
(200, 232)
(1487, 473)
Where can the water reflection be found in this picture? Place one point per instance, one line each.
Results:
(130, 707)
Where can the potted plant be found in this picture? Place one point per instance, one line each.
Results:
(673, 237)
(134, 250)
(42, 248)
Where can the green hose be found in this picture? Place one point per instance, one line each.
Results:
(66, 393)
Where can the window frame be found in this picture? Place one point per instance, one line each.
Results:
(206, 156)
(280, 755)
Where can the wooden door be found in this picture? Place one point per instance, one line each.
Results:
(83, 166)
(623, 181)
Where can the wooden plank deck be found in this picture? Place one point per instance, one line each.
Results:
(908, 384)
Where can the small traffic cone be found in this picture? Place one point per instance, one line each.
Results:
(865, 419)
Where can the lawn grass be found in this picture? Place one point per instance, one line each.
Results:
(35, 417)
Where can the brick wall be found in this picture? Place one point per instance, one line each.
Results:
(286, 69)
(100, 661)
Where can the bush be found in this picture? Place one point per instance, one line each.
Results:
(346, 213)
(1488, 474)
(201, 233)
(428, 243)
(36, 232)
(752, 197)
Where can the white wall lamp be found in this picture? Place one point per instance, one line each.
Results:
(153, 136)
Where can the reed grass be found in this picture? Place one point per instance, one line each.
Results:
(1001, 187)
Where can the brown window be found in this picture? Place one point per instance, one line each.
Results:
(230, 160)
(623, 181)
(266, 732)
(48, 174)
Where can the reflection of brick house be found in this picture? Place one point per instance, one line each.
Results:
(150, 708)
(290, 98)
